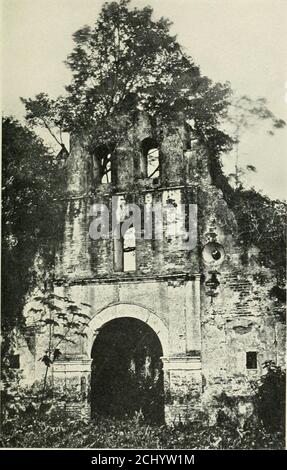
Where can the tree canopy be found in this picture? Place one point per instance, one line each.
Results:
(262, 223)
(31, 212)
(126, 63)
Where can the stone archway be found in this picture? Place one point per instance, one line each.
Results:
(126, 344)
(131, 310)
(127, 371)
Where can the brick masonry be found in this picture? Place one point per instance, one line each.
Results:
(205, 330)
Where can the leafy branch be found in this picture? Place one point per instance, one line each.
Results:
(128, 63)
(62, 320)
(244, 114)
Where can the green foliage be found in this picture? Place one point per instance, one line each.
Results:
(44, 112)
(31, 213)
(261, 223)
(30, 422)
(62, 316)
(270, 397)
(61, 319)
(49, 314)
(11, 393)
(244, 114)
(124, 64)
(19, 402)
(57, 430)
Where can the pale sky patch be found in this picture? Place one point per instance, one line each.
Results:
(240, 41)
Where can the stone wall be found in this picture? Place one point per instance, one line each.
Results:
(208, 313)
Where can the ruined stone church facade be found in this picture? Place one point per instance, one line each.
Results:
(213, 319)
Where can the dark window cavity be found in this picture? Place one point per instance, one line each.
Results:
(150, 159)
(14, 361)
(251, 360)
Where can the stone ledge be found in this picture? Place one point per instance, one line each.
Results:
(71, 366)
(126, 279)
(182, 363)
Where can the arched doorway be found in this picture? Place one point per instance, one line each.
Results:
(127, 373)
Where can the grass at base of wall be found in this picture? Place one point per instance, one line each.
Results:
(55, 432)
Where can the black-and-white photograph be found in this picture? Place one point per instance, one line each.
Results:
(144, 212)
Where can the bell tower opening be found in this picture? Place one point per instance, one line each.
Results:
(127, 375)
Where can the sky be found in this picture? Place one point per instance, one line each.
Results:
(240, 41)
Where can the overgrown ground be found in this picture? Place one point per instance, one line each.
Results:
(55, 432)
(32, 419)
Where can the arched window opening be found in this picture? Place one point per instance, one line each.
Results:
(107, 171)
(150, 154)
(104, 165)
(125, 252)
(153, 163)
(129, 250)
